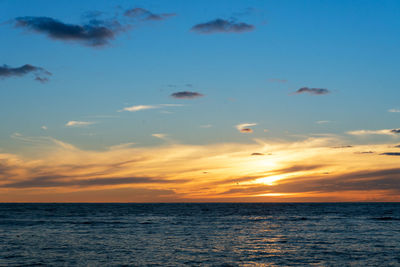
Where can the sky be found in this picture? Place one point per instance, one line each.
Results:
(199, 101)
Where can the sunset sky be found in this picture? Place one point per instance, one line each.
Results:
(199, 101)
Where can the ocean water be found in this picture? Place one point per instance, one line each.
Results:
(347, 234)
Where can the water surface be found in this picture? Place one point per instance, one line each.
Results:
(200, 234)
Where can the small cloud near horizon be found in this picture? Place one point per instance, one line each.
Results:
(392, 132)
(139, 107)
(146, 107)
(394, 110)
(322, 122)
(79, 123)
(206, 126)
(391, 154)
(244, 127)
(160, 136)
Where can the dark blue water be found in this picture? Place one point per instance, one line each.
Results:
(200, 234)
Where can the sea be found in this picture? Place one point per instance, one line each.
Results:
(206, 234)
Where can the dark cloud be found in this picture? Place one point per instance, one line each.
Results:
(313, 91)
(391, 153)
(387, 179)
(246, 130)
(61, 181)
(186, 94)
(126, 194)
(144, 14)
(257, 154)
(40, 73)
(398, 146)
(222, 26)
(396, 131)
(95, 33)
(364, 152)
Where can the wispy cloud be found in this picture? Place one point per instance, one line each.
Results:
(392, 132)
(140, 107)
(244, 127)
(146, 107)
(394, 110)
(222, 26)
(206, 126)
(40, 74)
(160, 136)
(79, 123)
(186, 95)
(144, 14)
(322, 122)
(313, 91)
(44, 127)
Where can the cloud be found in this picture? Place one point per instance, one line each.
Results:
(322, 122)
(40, 73)
(244, 127)
(362, 180)
(313, 91)
(392, 132)
(391, 153)
(44, 127)
(160, 136)
(307, 170)
(145, 107)
(206, 126)
(144, 14)
(54, 181)
(186, 94)
(222, 26)
(257, 154)
(95, 33)
(140, 107)
(246, 130)
(394, 110)
(79, 123)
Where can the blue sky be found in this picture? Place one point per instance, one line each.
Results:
(350, 48)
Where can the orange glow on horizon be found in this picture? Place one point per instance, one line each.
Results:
(299, 171)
